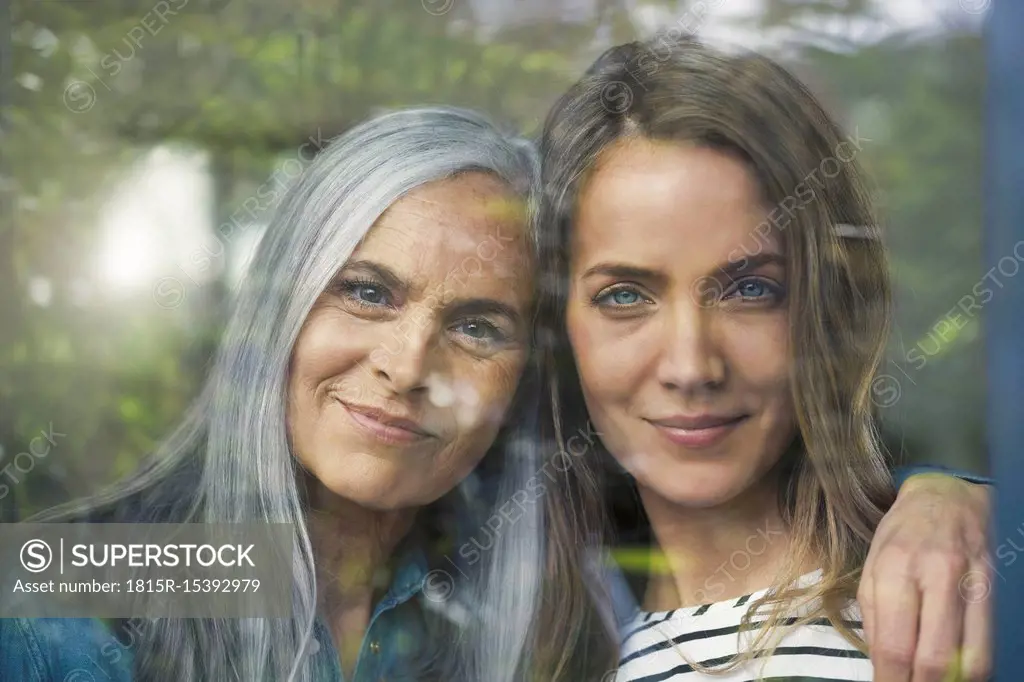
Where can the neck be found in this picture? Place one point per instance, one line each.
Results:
(352, 552)
(352, 545)
(716, 553)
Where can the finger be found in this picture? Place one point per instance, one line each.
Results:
(896, 617)
(866, 600)
(941, 622)
(866, 589)
(976, 589)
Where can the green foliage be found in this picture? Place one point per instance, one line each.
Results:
(99, 84)
(926, 162)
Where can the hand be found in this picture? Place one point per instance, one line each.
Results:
(925, 593)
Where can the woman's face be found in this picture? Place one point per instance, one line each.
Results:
(405, 367)
(682, 353)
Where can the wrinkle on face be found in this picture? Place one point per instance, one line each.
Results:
(448, 242)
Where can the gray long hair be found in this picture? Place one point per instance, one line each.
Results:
(229, 461)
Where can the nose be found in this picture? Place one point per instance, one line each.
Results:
(401, 360)
(691, 360)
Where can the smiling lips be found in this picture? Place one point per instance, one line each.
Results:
(386, 426)
(698, 431)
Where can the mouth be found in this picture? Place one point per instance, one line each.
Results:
(697, 431)
(386, 426)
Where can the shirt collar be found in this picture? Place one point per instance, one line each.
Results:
(406, 583)
(409, 576)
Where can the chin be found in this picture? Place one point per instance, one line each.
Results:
(374, 499)
(695, 498)
(694, 485)
(374, 485)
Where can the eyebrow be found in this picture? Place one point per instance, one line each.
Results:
(460, 306)
(485, 306)
(730, 269)
(386, 274)
(749, 263)
(621, 270)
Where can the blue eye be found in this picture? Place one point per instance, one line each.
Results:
(369, 294)
(755, 289)
(365, 293)
(475, 329)
(625, 297)
(479, 332)
(619, 298)
(752, 289)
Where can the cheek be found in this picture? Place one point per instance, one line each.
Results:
(482, 398)
(326, 349)
(301, 384)
(590, 347)
(327, 346)
(760, 357)
(611, 356)
(759, 354)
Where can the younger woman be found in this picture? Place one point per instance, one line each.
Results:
(721, 303)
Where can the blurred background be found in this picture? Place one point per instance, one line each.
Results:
(145, 144)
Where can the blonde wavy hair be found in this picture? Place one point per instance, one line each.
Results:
(836, 484)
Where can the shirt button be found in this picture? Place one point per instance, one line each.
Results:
(375, 647)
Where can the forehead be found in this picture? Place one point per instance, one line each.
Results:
(668, 200)
(469, 228)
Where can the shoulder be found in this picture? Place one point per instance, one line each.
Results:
(666, 643)
(62, 650)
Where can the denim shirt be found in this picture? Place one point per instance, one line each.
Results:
(85, 650)
(396, 637)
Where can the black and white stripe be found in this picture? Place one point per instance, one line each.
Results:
(659, 646)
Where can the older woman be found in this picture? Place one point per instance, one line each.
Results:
(370, 363)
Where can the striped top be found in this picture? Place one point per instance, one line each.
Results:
(659, 646)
